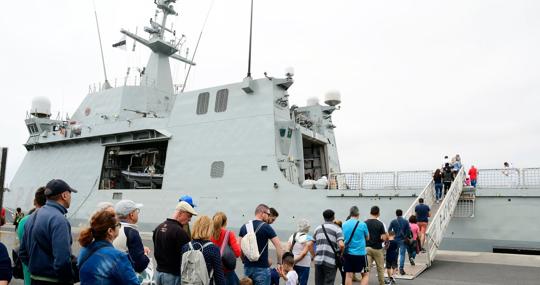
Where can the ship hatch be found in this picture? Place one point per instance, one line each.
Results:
(315, 158)
(134, 166)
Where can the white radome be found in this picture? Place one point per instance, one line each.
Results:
(41, 107)
(313, 101)
(332, 98)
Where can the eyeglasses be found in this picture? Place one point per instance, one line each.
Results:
(118, 225)
(268, 213)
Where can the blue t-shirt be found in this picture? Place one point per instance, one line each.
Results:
(422, 212)
(264, 233)
(357, 246)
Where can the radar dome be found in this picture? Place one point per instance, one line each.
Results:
(41, 107)
(289, 71)
(313, 101)
(332, 98)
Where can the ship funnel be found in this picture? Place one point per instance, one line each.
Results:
(313, 101)
(41, 107)
(332, 98)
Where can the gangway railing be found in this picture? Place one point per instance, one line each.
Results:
(440, 220)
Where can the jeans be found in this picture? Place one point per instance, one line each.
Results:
(231, 278)
(303, 274)
(438, 191)
(163, 278)
(377, 255)
(473, 183)
(402, 250)
(325, 275)
(259, 275)
(411, 249)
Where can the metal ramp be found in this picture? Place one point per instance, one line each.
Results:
(441, 214)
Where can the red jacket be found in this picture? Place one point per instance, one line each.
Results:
(473, 173)
(233, 243)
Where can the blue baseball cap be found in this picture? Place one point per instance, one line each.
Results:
(187, 199)
(57, 186)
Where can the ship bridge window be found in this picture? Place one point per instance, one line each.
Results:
(32, 128)
(134, 166)
(202, 103)
(217, 169)
(221, 100)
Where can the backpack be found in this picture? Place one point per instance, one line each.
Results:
(193, 270)
(249, 243)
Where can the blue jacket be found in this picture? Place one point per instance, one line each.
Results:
(46, 244)
(106, 265)
(130, 241)
(401, 227)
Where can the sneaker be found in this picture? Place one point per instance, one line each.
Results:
(411, 260)
(392, 280)
(423, 250)
(402, 272)
(387, 281)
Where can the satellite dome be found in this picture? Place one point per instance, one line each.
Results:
(332, 98)
(41, 107)
(313, 101)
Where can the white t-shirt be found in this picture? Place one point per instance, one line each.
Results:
(292, 278)
(301, 240)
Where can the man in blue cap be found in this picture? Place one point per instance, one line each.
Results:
(46, 244)
(189, 200)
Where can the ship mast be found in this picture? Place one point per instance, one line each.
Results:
(158, 71)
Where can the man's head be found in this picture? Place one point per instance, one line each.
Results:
(391, 234)
(128, 211)
(183, 213)
(188, 199)
(354, 212)
(59, 191)
(421, 200)
(273, 216)
(399, 212)
(262, 212)
(39, 197)
(18, 210)
(328, 215)
(375, 211)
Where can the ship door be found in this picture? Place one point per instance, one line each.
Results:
(315, 158)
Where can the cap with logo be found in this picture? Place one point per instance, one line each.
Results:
(57, 186)
(185, 207)
(125, 207)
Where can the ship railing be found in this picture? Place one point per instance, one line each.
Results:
(509, 178)
(385, 180)
(440, 220)
(122, 81)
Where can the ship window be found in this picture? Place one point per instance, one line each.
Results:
(221, 100)
(217, 169)
(202, 103)
(32, 128)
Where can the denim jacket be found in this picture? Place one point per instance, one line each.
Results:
(106, 266)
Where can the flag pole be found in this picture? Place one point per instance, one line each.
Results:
(106, 84)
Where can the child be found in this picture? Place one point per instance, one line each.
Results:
(287, 271)
(246, 281)
(391, 257)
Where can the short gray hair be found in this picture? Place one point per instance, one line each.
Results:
(303, 225)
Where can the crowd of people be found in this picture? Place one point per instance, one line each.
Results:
(112, 250)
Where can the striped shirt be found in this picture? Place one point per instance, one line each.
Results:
(324, 254)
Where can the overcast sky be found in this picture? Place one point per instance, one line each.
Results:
(418, 79)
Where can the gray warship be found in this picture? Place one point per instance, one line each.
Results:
(234, 146)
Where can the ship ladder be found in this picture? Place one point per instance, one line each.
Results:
(441, 214)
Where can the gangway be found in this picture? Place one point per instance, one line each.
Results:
(441, 214)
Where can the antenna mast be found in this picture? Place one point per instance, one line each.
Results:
(250, 35)
(106, 84)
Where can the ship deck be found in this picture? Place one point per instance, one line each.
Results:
(449, 267)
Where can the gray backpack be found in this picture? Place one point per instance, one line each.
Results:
(193, 269)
